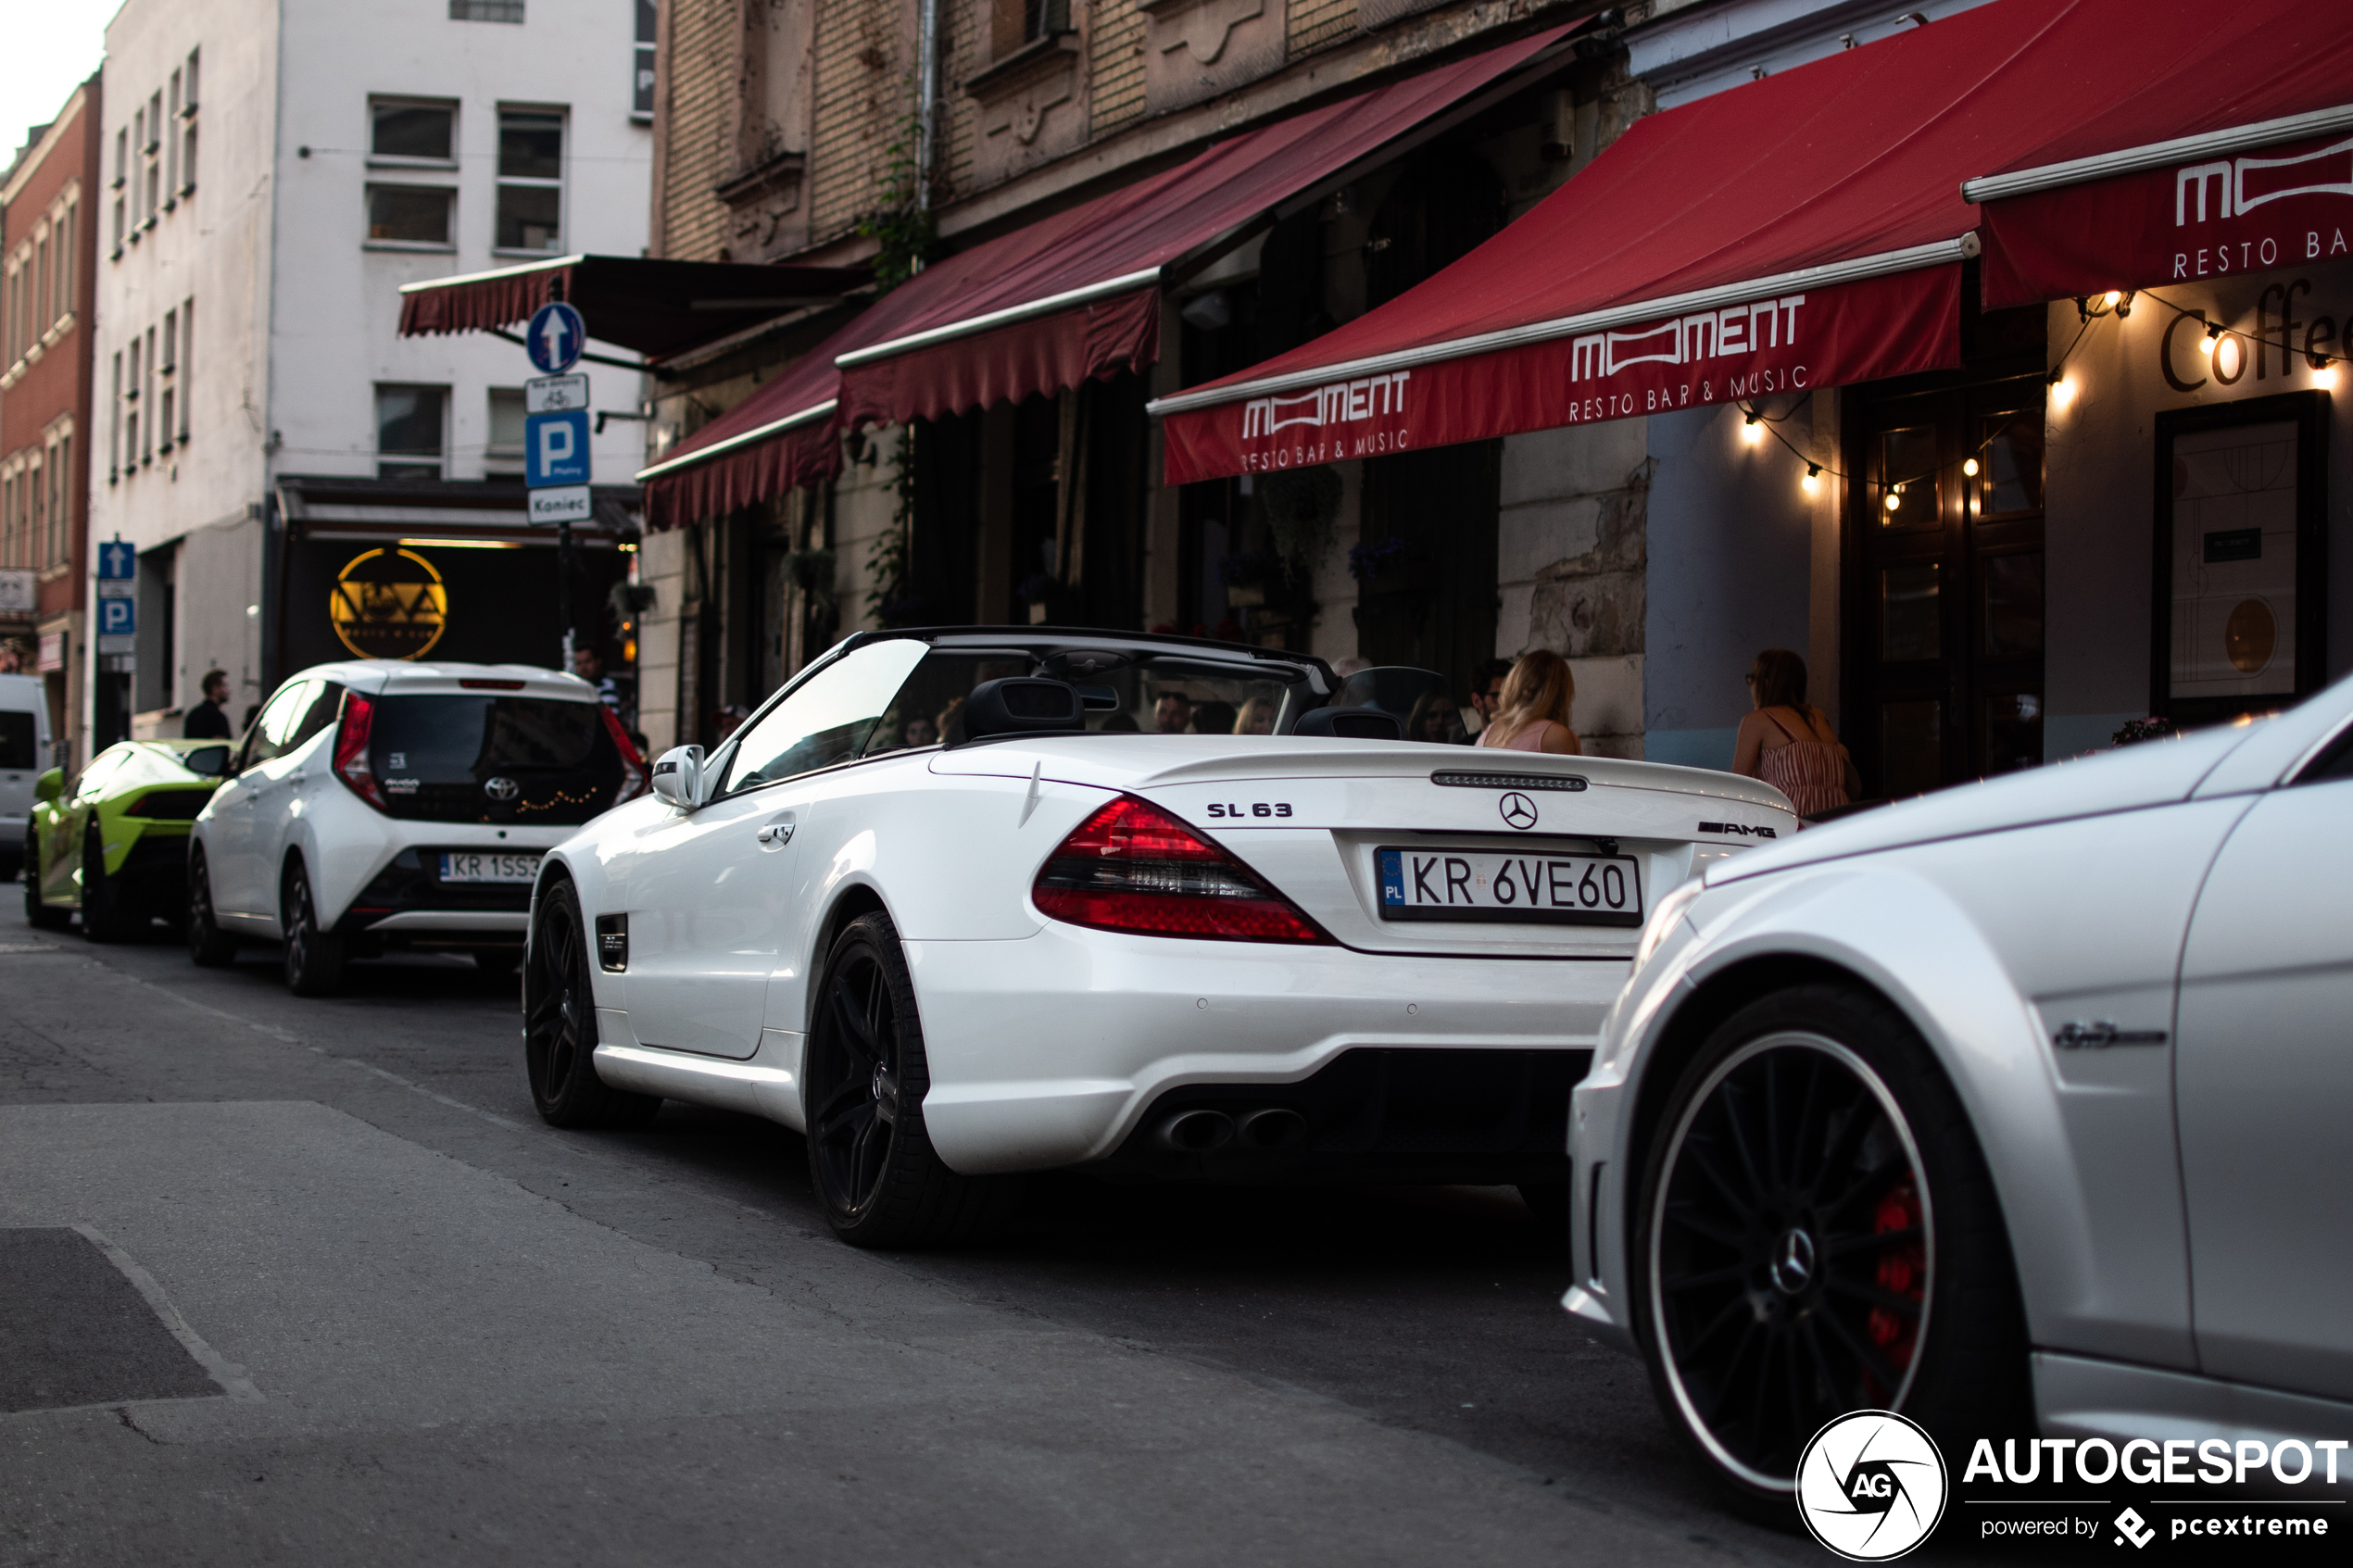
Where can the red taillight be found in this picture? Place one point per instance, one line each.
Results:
(1133, 867)
(633, 767)
(351, 751)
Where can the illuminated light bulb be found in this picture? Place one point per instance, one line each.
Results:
(2213, 335)
(1813, 479)
(2325, 377)
(2063, 393)
(2111, 298)
(1968, 467)
(1894, 499)
(1752, 432)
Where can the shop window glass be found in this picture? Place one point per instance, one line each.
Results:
(2009, 465)
(2234, 544)
(506, 426)
(1907, 458)
(2012, 731)
(1911, 612)
(1911, 747)
(2012, 585)
(409, 215)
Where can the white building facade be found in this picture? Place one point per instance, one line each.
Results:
(276, 170)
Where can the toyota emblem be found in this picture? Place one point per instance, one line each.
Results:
(1518, 810)
(506, 789)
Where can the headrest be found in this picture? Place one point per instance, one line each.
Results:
(1351, 724)
(1022, 704)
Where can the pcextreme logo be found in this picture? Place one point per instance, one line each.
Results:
(1871, 1486)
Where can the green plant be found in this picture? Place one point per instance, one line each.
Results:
(905, 235)
(812, 573)
(888, 561)
(1302, 505)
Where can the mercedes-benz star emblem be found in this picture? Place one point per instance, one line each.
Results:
(1793, 1262)
(1518, 810)
(501, 788)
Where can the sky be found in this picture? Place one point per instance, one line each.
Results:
(52, 45)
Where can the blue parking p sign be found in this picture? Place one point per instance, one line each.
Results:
(118, 618)
(555, 448)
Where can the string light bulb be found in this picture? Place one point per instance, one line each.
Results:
(1968, 467)
(1813, 479)
(2112, 298)
(2213, 335)
(1751, 431)
(1895, 497)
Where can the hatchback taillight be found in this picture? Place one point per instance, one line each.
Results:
(351, 750)
(633, 767)
(1133, 867)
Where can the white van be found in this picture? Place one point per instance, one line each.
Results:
(25, 752)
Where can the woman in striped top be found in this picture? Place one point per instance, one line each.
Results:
(1788, 742)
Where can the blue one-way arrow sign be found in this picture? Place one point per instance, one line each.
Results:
(555, 337)
(117, 561)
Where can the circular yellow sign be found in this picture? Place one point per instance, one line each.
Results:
(389, 604)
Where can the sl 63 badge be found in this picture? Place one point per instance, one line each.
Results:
(1255, 809)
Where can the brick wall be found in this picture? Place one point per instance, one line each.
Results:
(1115, 66)
(865, 93)
(1310, 24)
(699, 118)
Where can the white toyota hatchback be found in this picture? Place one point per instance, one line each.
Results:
(2022, 1102)
(379, 804)
(947, 906)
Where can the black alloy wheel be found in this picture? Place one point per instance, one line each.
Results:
(1819, 1235)
(559, 1025)
(39, 913)
(209, 945)
(869, 1157)
(108, 914)
(314, 958)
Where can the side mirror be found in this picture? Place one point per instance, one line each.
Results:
(678, 776)
(49, 785)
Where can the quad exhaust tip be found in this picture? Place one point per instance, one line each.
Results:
(1202, 1131)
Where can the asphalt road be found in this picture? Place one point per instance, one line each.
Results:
(428, 1328)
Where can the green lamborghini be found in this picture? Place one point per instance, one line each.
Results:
(115, 845)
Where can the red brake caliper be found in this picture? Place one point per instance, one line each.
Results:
(1903, 1270)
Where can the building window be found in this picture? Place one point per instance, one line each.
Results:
(131, 413)
(171, 150)
(485, 10)
(166, 398)
(409, 421)
(114, 425)
(121, 174)
(38, 524)
(187, 362)
(148, 435)
(60, 494)
(409, 214)
(504, 452)
(65, 233)
(531, 165)
(641, 101)
(188, 130)
(7, 517)
(1015, 24)
(412, 132)
(154, 150)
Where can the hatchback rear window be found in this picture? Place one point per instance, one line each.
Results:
(17, 743)
(494, 758)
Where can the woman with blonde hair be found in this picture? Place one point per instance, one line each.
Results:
(1531, 714)
(1257, 716)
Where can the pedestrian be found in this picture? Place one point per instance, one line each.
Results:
(1531, 711)
(1437, 720)
(1789, 743)
(1257, 716)
(206, 721)
(589, 665)
(1486, 691)
(1173, 714)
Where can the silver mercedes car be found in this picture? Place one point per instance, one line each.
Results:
(2025, 1103)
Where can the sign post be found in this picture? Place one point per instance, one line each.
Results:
(555, 438)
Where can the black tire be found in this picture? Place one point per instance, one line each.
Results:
(559, 1025)
(498, 961)
(209, 945)
(870, 1160)
(1816, 1232)
(39, 913)
(107, 913)
(314, 958)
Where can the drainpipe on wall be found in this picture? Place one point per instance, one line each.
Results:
(927, 93)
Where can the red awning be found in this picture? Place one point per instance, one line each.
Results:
(2206, 140)
(653, 306)
(1806, 229)
(1063, 300)
(1078, 295)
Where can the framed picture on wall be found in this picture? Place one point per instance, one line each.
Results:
(2240, 620)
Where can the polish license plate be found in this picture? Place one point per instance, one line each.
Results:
(486, 866)
(1480, 884)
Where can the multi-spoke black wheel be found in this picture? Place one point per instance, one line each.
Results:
(209, 945)
(314, 956)
(869, 1159)
(1818, 1234)
(559, 1025)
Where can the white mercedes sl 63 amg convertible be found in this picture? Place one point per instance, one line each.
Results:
(2022, 1104)
(957, 904)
